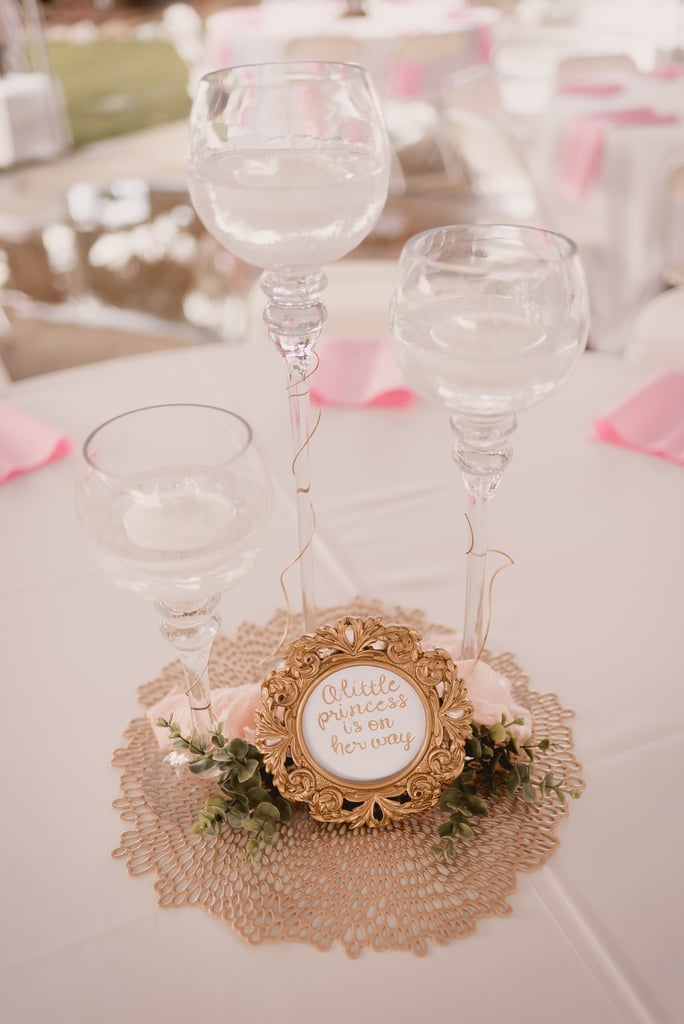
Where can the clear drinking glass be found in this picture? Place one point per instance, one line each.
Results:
(174, 499)
(289, 170)
(487, 320)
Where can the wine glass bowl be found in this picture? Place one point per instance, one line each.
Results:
(289, 163)
(174, 499)
(288, 168)
(487, 320)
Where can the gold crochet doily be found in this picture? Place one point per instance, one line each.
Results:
(321, 884)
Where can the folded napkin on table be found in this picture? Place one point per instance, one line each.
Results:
(650, 419)
(27, 443)
(582, 146)
(358, 372)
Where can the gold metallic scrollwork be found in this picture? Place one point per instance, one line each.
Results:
(352, 642)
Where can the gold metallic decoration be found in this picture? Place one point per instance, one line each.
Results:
(379, 699)
(364, 889)
(483, 554)
(294, 394)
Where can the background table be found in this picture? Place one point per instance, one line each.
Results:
(619, 221)
(302, 30)
(592, 610)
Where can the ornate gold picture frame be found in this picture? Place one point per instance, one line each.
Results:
(362, 724)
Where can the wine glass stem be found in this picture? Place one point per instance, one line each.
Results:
(295, 316)
(299, 401)
(482, 452)
(191, 630)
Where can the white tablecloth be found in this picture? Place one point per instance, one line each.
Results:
(593, 611)
(249, 35)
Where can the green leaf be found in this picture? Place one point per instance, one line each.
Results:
(497, 733)
(528, 793)
(476, 805)
(223, 756)
(451, 799)
(239, 748)
(284, 808)
(256, 795)
(267, 811)
(201, 765)
(246, 772)
(474, 748)
(465, 830)
(235, 819)
(215, 803)
(513, 780)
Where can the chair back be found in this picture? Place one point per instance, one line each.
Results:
(673, 222)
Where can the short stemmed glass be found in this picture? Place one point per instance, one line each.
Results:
(289, 170)
(487, 320)
(174, 499)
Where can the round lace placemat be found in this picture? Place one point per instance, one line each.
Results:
(321, 884)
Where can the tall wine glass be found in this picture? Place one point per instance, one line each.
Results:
(487, 320)
(174, 499)
(289, 170)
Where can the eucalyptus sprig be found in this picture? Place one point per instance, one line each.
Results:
(494, 757)
(249, 800)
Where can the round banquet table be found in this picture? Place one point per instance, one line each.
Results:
(302, 30)
(592, 610)
(618, 213)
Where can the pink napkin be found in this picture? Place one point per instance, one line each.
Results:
(584, 87)
(27, 443)
(582, 146)
(359, 372)
(650, 420)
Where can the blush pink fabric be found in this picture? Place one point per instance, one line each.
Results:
(587, 88)
(27, 443)
(491, 695)
(650, 420)
(232, 705)
(407, 79)
(666, 71)
(359, 372)
(581, 150)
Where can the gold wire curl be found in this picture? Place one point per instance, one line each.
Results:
(293, 393)
(502, 568)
